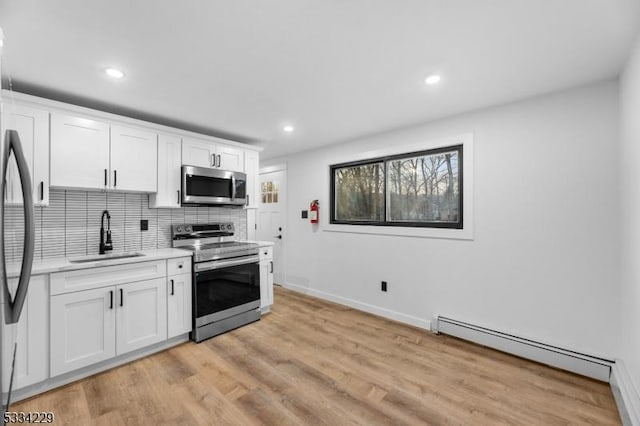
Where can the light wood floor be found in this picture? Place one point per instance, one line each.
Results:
(314, 362)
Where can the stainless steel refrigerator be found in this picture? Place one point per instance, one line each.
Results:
(12, 300)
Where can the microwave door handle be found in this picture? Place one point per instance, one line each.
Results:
(233, 187)
(13, 308)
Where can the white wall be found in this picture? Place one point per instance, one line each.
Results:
(544, 259)
(630, 211)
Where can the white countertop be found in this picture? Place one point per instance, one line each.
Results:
(47, 266)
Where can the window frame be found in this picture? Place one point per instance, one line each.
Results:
(385, 160)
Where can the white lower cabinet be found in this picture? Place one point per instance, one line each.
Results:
(266, 278)
(94, 325)
(127, 311)
(178, 305)
(141, 315)
(30, 333)
(83, 329)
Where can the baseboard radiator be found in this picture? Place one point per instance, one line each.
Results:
(586, 365)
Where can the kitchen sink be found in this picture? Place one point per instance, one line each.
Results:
(104, 257)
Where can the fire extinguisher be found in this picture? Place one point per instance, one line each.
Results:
(314, 215)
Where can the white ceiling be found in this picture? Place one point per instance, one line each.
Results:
(336, 69)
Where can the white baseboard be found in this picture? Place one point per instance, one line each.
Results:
(372, 309)
(626, 395)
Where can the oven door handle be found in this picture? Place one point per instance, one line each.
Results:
(219, 264)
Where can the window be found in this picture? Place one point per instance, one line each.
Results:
(269, 192)
(420, 189)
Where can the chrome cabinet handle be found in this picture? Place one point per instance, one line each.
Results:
(110, 299)
(41, 190)
(271, 272)
(178, 197)
(213, 160)
(219, 160)
(121, 298)
(105, 178)
(13, 308)
(172, 288)
(115, 178)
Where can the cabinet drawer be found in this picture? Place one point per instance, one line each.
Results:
(266, 253)
(84, 279)
(180, 265)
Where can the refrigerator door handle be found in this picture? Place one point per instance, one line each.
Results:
(13, 308)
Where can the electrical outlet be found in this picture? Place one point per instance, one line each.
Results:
(383, 285)
(144, 225)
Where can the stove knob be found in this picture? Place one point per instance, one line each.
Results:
(188, 228)
(229, 226)
(179, 229)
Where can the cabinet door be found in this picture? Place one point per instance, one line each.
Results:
(32, 125)
(168, 177)
(79, 152)
(252, 169)
(266, 284)
(134, 159)
(83, 329)
(230, 158)
(141, 314)
(196, 152)
(178, 305)
(30, 333)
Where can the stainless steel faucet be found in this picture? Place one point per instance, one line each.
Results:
(105, 246)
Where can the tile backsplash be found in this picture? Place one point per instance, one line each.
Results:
(70, 225)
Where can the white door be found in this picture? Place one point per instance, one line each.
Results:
(169, 162)
(141, 314)
(83, 329)
(178, 305)
(266, 284)
(134, 159)
(32, 352)
(252, 169)
(272, 217)
(32, 125)
(230, 158)
(79, 152)
(196, 152)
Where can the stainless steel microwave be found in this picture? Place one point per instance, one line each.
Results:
(204, 186)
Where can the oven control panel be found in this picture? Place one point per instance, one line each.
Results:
(217, 229)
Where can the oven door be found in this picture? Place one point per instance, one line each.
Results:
(225, 288)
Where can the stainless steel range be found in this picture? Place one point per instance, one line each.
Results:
(226, 278)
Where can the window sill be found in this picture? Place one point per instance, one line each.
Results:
(445, 233)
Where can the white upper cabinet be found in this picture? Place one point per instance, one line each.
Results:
(252, 169)
(230, 158)
(203, 153)
(134, 159)
(32, 125)
(90, 154)
(79, 152)
(199, 153)
(169, 163)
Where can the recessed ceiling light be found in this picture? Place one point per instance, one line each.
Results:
(115, 73)
(288, 128)
(432, 79)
